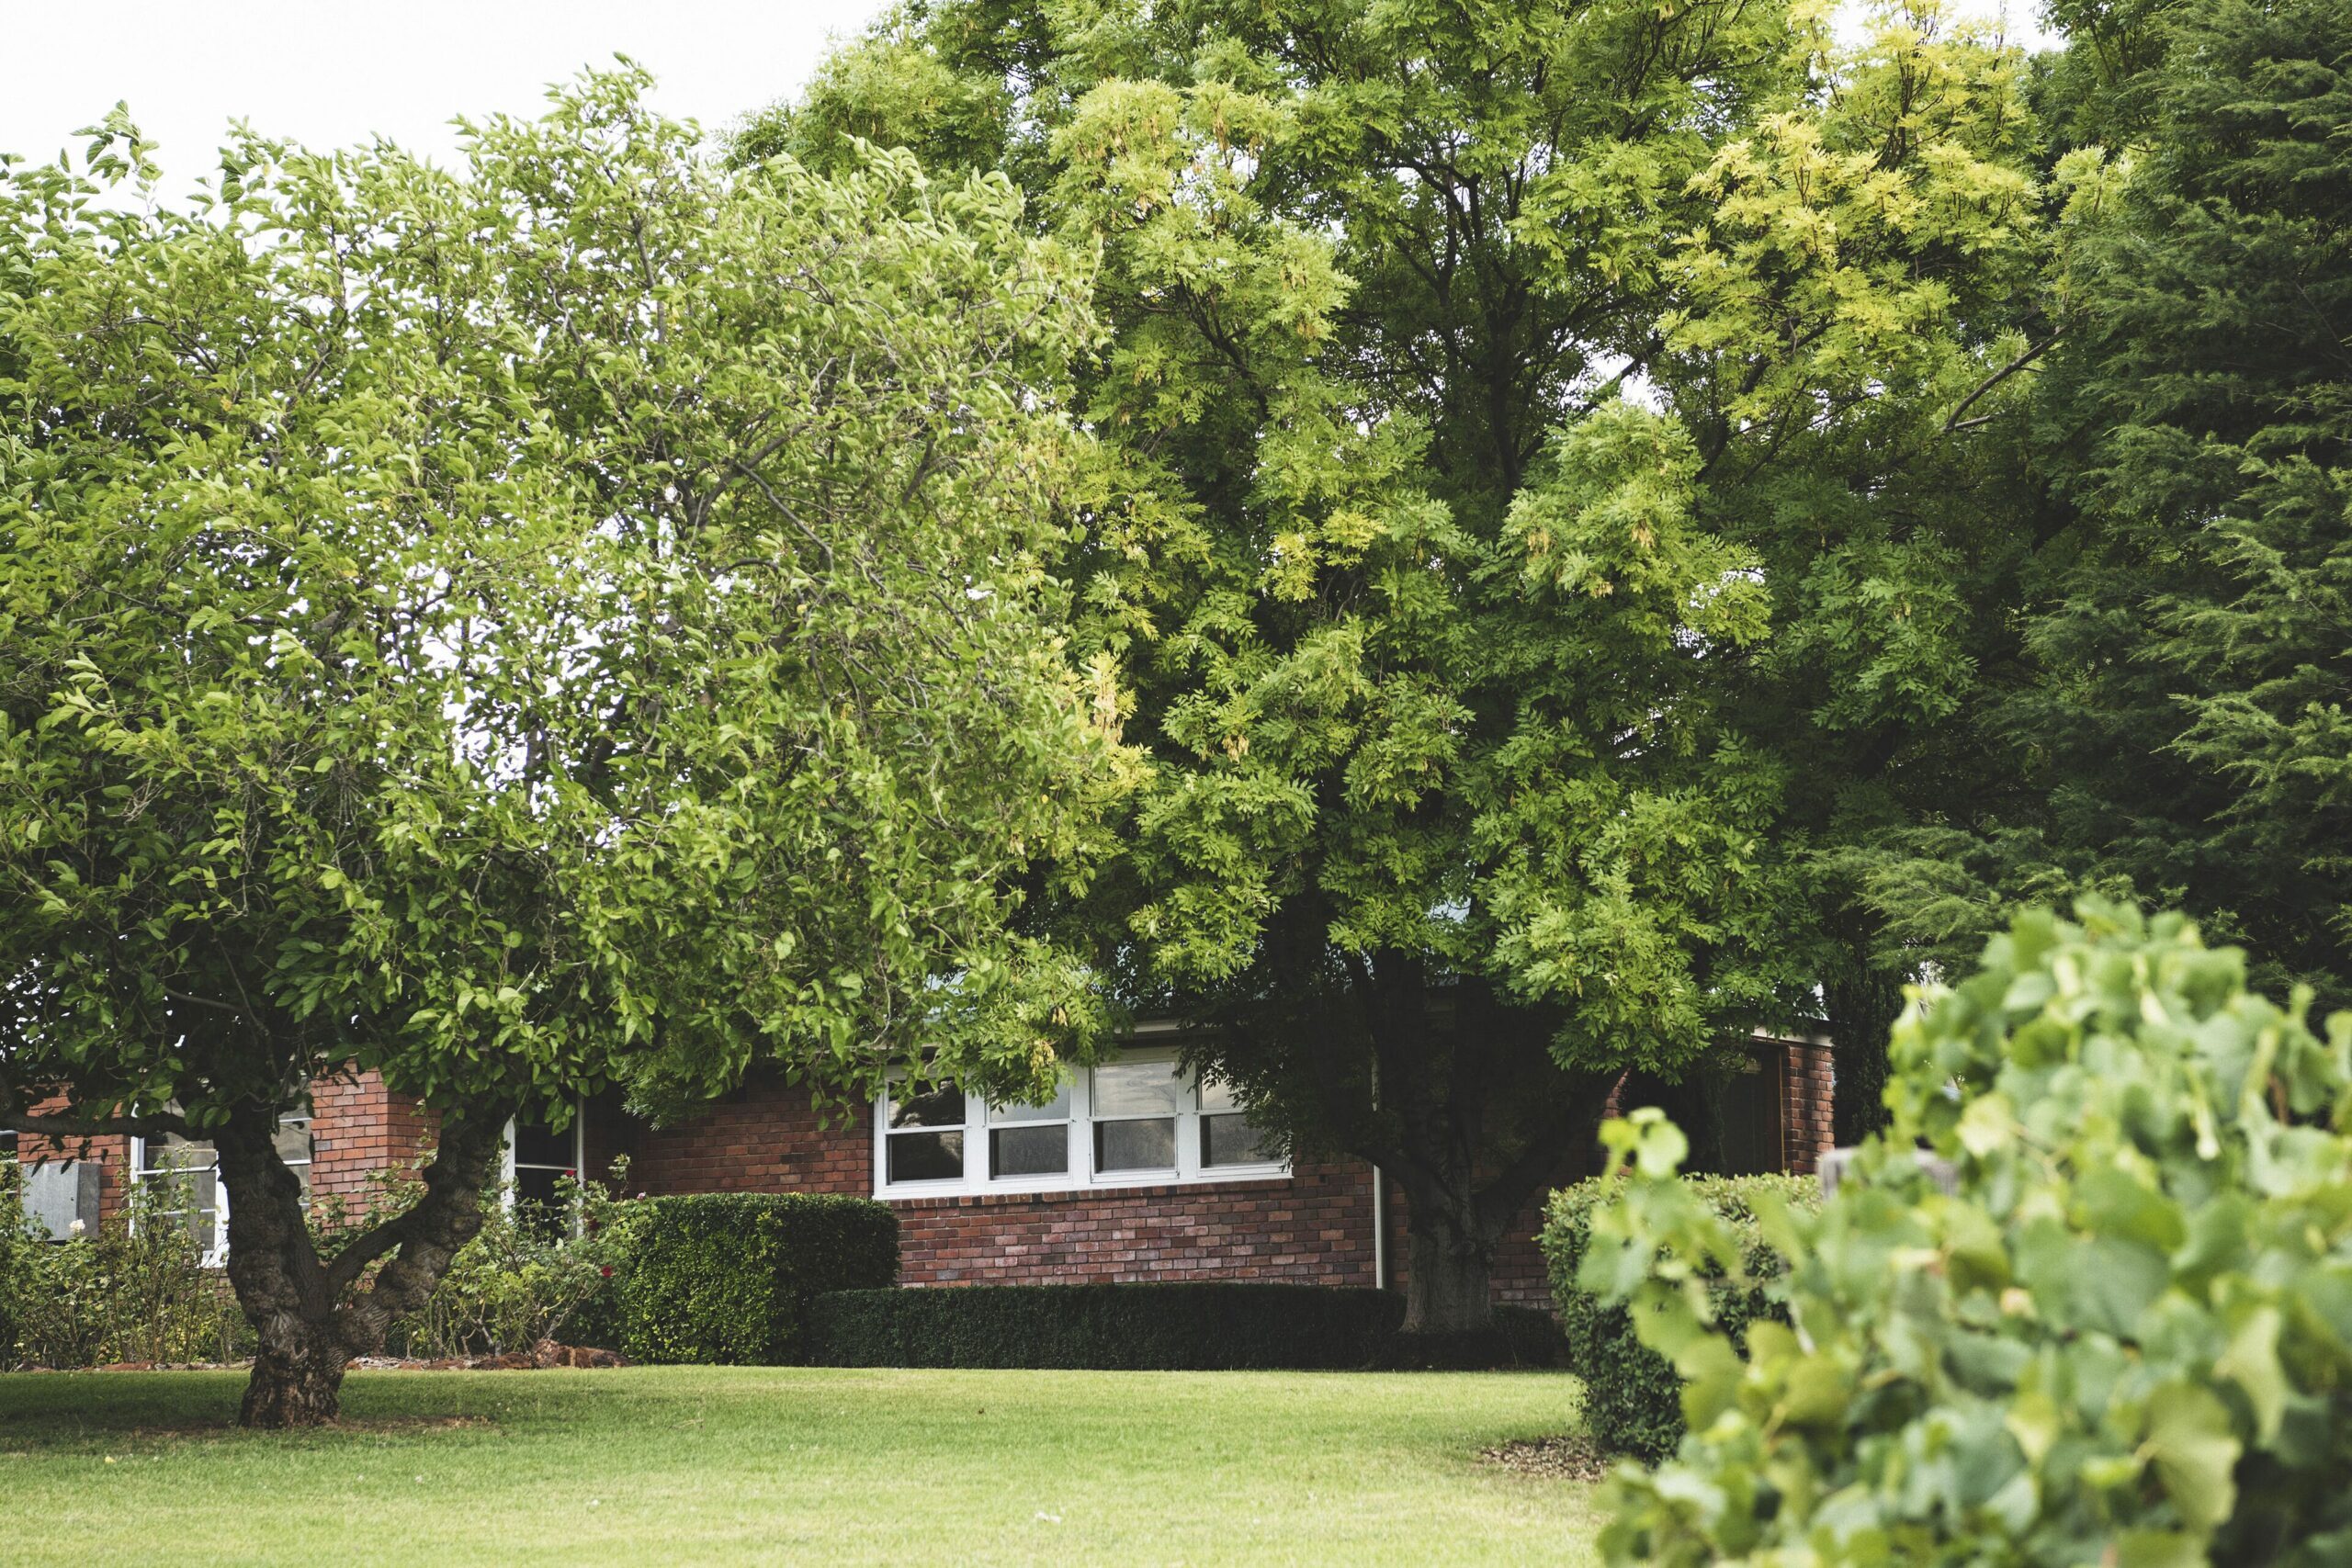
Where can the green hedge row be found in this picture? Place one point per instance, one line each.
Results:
(1633, 1398)
(1209, 1326)
(726, 1277)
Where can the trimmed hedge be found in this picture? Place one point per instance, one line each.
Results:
(1209, 1326)
(1633, 1398)
(726, 1277)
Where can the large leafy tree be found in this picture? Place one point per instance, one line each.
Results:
(1860, 325)
(574, 622)
(1447, 652)
(2176, 730)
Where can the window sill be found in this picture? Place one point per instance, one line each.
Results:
(1143, 1184)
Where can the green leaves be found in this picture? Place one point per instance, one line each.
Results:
(2103, 1346)
(578, 620)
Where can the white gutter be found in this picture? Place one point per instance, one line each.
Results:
(1379, 1230)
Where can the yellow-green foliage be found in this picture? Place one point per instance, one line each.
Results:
(2126, 1338)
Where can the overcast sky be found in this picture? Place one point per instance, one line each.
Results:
(330, 73)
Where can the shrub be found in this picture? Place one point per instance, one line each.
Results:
(726, 1277)
(133, 1289)
(527, 1275)
(2125, 1337)
(1633, 1396)
(1152, 1328)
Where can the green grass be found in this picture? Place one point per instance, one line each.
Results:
(708, 1464)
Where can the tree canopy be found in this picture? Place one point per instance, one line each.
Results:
(577, 620)
(2172, 729)
(1494, 537)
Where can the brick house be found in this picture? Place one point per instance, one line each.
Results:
(1136, 1172)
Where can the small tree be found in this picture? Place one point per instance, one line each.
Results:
(2125, 1338)
(573, 623)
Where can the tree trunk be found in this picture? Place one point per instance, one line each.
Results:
(1449, 1273)
(297, 1372)
(298, 1376)
(1862, 1014)
(309, 1333)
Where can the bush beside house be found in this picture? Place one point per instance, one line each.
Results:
(2123, 1337)
(725, 1277)
(1633, 1396)
(530, 1275)
(131, 1290)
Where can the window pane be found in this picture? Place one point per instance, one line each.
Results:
(1029, 1151)
(537, 1144)
(926, 1157)
(1229, 1139)
(1135, 1145)
(536, 1184)
(172, 1152)
(930, 1105)
(293, 1140)
(1054, 1110)
(1218, 1095)
(1138, 1089)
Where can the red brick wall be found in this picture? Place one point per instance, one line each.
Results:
(1314, 1227)
(1808, 1086)
(359, 1127)
(764, 1137)
(111, 1154)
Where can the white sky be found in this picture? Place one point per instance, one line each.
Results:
(331, 73)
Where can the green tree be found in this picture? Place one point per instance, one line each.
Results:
(575, 622)
(2176, 730)
(1859, 324)
(1441, 645)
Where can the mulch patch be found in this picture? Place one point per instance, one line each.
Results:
(548, 1354)
(1565, 1459)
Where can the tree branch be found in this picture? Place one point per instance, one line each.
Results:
(1953, 422)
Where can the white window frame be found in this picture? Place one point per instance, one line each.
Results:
(578, 1166)
(1080, 1175)
(212, 1252)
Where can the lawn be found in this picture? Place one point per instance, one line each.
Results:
(695, 1464)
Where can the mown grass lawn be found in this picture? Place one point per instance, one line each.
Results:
(694, 1464)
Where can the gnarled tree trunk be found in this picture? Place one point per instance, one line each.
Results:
(308, 1332)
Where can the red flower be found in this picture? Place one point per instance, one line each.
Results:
(572, 1174)
(606, 1270)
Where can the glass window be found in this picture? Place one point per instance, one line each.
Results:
(1226, 1136)
(1142, 1118)
(1138, 1089)
(543, 1156)
(1136, 1106)
(1135, 1145)
(924, 1141)
(1030, 1140)
(185, 1177)
(295, 1147)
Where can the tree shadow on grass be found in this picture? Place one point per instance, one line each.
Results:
(64, 1412)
